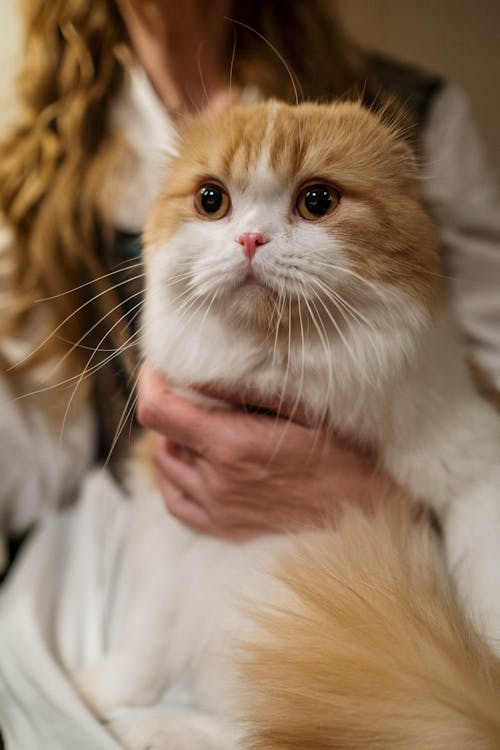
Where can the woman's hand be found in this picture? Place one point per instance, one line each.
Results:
(235, 475)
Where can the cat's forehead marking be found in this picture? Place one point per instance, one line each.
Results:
(245, 157)
(261, 174)
(264, 156)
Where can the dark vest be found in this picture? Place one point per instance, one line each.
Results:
(412, 88)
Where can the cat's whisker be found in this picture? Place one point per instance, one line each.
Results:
(174, 278)
(231, 72)
(323, 416)
(130, 343)
(340, 304)
(281, 310)
(209, 306)
(95, 326)
(346, 315)
(361, 370)
(87, 366)
(200, 72)
(69, 381)
(354, 312)
(336, 326)
(87, 283)
(323, 337)
(188, 291)
(349, 272)
(126, 265)
(190, 304)
(126, 415)
(183, 297)
(190, 300)
(296, 402)
(273, 316)
(390, 299)
(88, 373)
(282, 396)
(183, 275)
(86, 348)
(372, 340)
(276, 52)
(69, 317)
(358, 317)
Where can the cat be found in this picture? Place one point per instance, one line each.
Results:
(290, 253)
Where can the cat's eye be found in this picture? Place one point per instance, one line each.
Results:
(316, 201)
(212, 201)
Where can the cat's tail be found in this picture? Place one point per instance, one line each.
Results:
(366, 647)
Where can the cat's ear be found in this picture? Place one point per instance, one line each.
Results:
(198, 121)
(405, 135)
(405, 153)
(222, 102)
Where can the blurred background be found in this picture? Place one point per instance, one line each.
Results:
(455, 38)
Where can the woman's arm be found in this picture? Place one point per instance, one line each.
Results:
(463, 195)
(41, 463)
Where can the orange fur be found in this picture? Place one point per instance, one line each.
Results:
(371, 650)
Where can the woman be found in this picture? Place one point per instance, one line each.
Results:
(68, 183)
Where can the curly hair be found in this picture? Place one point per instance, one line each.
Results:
(55, 161)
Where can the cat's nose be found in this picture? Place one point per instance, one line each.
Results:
(250, 242)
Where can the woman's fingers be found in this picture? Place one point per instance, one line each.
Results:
(170, 415)
(177, 463)
(196, 515)
(251, 399)
(183, 508)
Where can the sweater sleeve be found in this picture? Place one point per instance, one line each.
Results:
(41, 462)
(462, 193)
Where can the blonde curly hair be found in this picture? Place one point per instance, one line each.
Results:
(56, 160)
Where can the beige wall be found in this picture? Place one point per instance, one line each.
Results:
(9, 58)
(456, 38)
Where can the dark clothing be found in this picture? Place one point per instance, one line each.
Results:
(413, 89)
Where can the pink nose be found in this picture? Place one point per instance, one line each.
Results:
(250, 242)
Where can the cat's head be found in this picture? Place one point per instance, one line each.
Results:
(275, 217)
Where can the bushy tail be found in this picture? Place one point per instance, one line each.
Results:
(371, 650)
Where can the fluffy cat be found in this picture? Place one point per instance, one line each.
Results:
(290, 253)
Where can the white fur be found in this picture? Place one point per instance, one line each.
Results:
(394, 377)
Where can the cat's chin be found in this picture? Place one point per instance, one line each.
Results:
(252, 303)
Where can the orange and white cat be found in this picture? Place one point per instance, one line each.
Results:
(290, 253)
